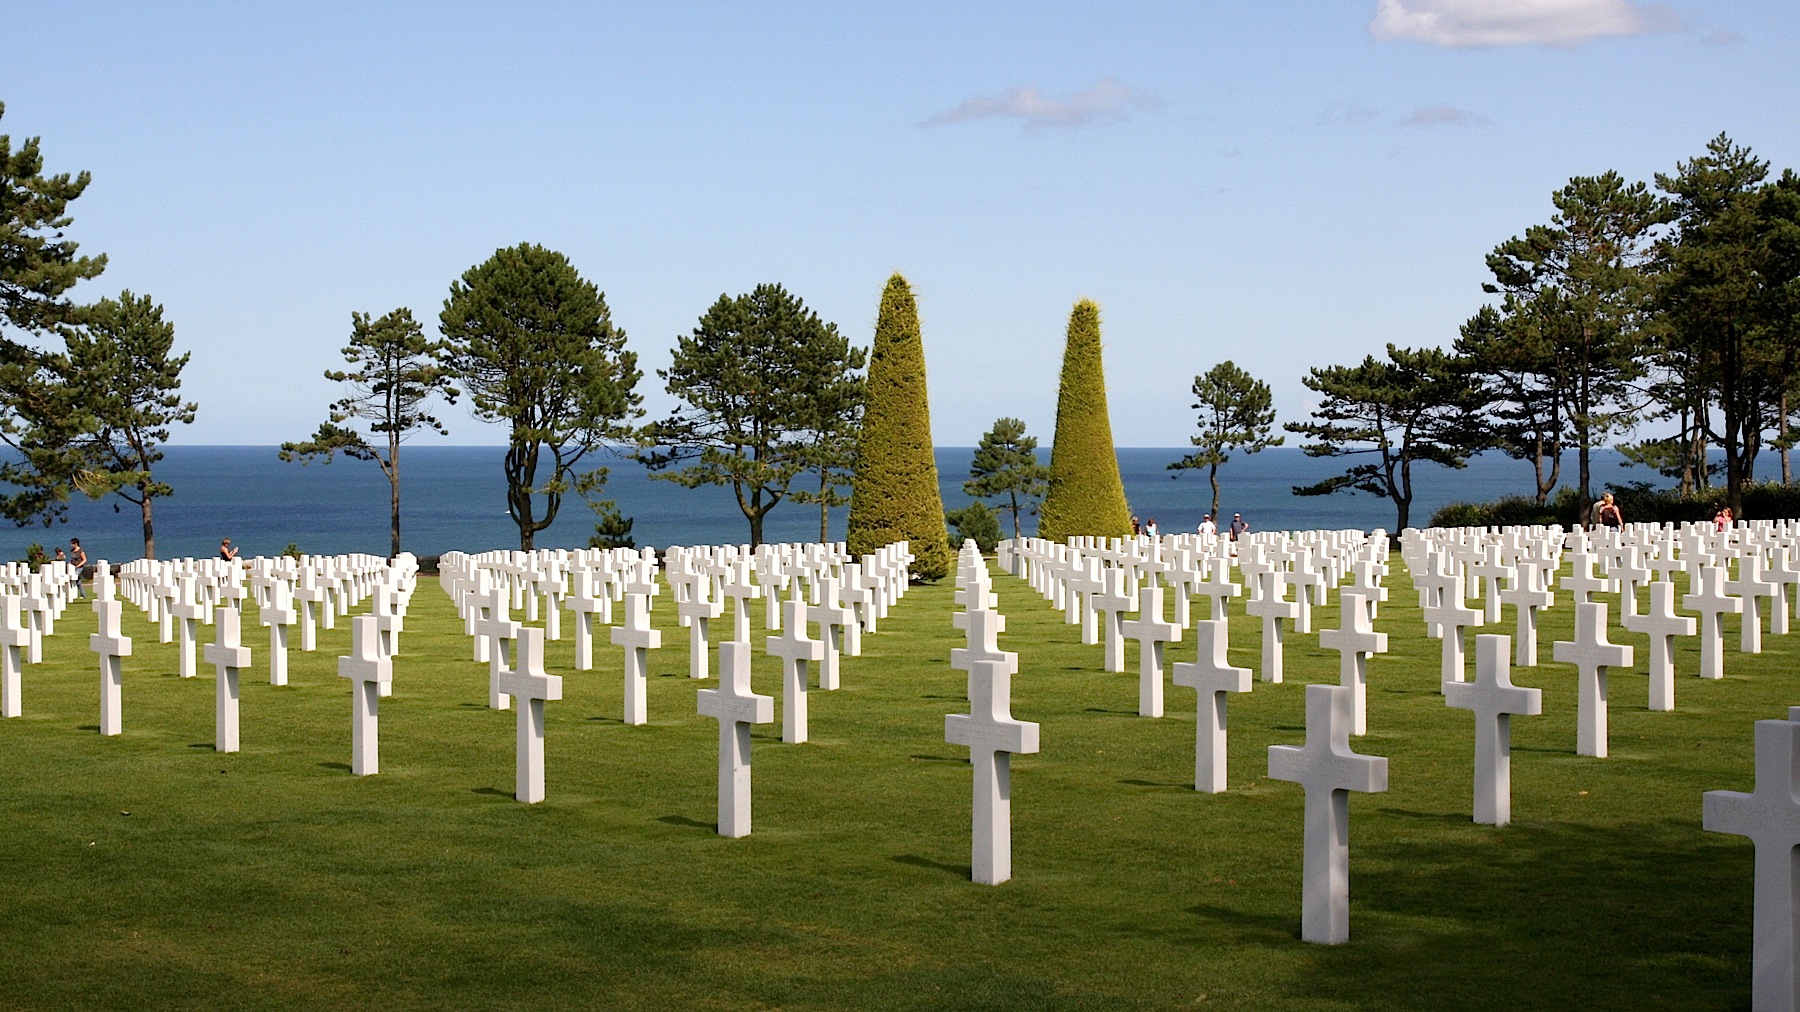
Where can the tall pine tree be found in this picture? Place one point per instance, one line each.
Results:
(895, 497)
(1086, 496)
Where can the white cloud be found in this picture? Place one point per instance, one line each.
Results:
(1108, 100)
(1515, 22)
(1443, 115)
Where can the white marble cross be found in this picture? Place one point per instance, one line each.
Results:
(188, 611)
(1328, 769)
(1219, 587)
(1151, 633)
(15, 644)
(796, 650)
(112, 647)
(1269, 606)
(228, 657)
(279, 614)
(741, 589)
(496, 628)
(366, 669)
(699, 610)
(992, 737)
(1662, 625)
(1581, 580)
(1494, 699)
(1211, 676)
(835, 621)
(735, 707)
(1526, 593)
(588, 600)
(1491, 571)
(981, 629)
(528, 683)
(1711, 601)
(1592, 654)
(638, 639)
(1111, 606)
(1448, 619)
(1750, 587)
(310, 596)
(1770, 817)
(1356, 641)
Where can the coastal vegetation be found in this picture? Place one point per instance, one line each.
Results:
(1661, 318)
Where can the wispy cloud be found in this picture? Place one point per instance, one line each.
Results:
(1109, 100)
(1461, 23)
(1722, 37)
(1442, 114)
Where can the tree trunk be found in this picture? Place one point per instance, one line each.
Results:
(824, 507)
(149, 531)
(393, 470)
(1787, 471)
(1215, 487)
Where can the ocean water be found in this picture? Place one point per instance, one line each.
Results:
(453, 498)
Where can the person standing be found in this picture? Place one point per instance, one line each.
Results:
(1207, 526)
(226, 552)
(1150, 527)
(78, 559)
(1239, 526)
(1608, 515)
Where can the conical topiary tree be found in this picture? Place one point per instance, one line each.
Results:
(895, 497)
(1086, 495)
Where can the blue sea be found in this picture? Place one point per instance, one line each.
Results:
(453, 498)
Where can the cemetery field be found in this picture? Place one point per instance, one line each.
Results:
(149, 870)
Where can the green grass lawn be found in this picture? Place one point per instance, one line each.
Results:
(148, 870)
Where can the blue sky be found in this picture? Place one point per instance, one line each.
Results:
(1279, 183)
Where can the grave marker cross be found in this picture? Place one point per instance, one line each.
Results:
(638, 639)
(1211, 676)
(1592, 655)
(366, 669)
(1662, 625)
(1770, 817)
(796, 650)
(1355, 643)
(228, 657)
(1327, 768)
(1151, 632)
(1494, 699)
(527, 682)
(1711, 601)
(992, 736)
(735, 707)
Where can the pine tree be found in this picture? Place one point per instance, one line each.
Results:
(895, 497)
(130, 392)
(396, 373)
(1235, 413)
(1086, 496)
(1006, 465)
(533, 345)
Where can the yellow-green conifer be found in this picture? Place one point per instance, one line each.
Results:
(895, 497)
(1086, 495)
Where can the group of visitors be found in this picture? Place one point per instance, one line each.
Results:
(1607, 514)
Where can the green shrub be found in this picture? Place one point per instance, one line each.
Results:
(1086, 495)
(895, 496)
(977, 520)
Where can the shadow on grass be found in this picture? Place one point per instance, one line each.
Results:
(1658, 911)
(682, 820)
(959, 870)
(87, 727)
(603, 719)
(942, 758)
(335, 766)
(1157, 783)
(1248, 927)
(495, 791)
(1101, 709)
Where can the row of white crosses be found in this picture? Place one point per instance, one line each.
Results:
(485, 588)
(1325, 766)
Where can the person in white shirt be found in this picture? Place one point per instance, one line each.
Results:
(1207, 526)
